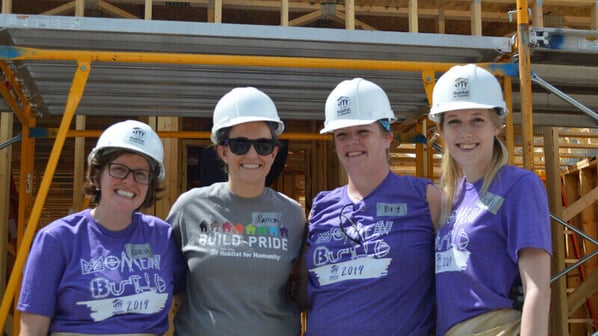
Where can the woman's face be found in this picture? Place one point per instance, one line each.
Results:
(362, 147)
(469, 137)
(124, 194)
(250, 167)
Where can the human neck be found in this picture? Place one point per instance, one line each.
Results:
(112, 220)
(474, 173)
(247, 190)
(359, 188)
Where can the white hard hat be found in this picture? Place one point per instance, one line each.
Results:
(134, 136)
(356, 102)
(242, 105)
(467, 87)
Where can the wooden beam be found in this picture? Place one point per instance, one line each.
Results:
(350, 14)
(340, 17)
(594, 17)
(6, 6)
(413, 17)
(284, 13)
(537, 14)
(584, 202)
(582, 293)
(218, 11)
(172, 165)
(148, 12)
(115, 11)
(558, 313)
(441, 21)
(79, 166)
(6, 132)
(79, 7)
(306, 19)
(61, 10)
(509, 129)
(476, 18)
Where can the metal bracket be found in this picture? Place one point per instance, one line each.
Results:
(538, 39)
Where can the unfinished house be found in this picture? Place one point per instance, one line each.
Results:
(71, 68)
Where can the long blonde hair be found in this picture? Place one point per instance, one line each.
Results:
(451, 173)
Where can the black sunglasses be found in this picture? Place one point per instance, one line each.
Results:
(240, 146)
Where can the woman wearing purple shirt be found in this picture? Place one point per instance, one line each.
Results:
(369, 250)
(494, 230)
(111, 269)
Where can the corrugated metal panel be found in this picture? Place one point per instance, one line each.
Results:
(134, 89)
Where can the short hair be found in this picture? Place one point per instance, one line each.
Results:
(101, 161)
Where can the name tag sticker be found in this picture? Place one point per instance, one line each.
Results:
(139, 251)
(391, 209)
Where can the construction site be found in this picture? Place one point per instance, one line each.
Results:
(72, 68)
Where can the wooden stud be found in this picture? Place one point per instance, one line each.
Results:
(558, 312)
(80, 160)
(413, 17)
(476, 18)
(6, 131)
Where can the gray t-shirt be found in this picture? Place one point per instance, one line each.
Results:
(239, 252)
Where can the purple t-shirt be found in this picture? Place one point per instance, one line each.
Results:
(477, 249)
(91, 280)
(377, 277)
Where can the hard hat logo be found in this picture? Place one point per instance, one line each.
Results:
(467, 87)
(137, 135)
(243, 105)
(134, 136)
(356, 102)
(343, 105)
(461, 88)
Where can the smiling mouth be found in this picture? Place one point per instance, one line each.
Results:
(467, 146)
(251, 166)
(125, 193)
(353, 154)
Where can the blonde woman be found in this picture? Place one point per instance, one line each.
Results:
(495, 231)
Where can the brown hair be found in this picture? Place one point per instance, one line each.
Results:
(100, 162)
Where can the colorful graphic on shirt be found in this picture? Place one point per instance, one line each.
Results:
(138, 270)
(243, 240)
(358, 251)
(452, 254)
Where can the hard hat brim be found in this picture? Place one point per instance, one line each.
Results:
(343, 123)
(243, 120)
(108, 150)
(457, 106)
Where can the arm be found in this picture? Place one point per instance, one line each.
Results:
(34, 325)
(433, 196)
(300, 295)
(534, 266)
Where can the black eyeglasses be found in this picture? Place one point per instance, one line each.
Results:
(355, 234)
(120, 171)
(240, 146)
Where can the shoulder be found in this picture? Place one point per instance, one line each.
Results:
(329, 195)
(70, 224)
(151, 220)
(283, 198)
(511, 176)
(399, 183)
(193, 195)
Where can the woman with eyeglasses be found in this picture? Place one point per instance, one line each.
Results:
(370, 243)
(494, 236)
(241, 239)
(110, 269)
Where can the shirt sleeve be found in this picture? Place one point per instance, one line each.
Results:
(43, 271)
(527, 216)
